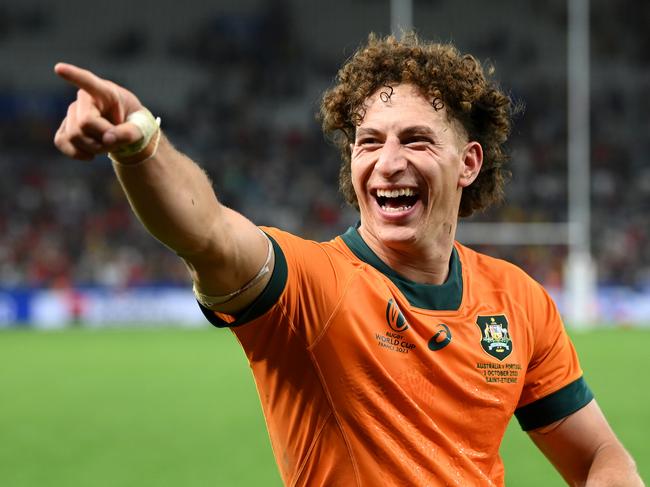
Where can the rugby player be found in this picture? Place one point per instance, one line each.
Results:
(392, 354)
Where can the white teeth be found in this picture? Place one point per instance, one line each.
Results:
(394, 193)
(395, 210)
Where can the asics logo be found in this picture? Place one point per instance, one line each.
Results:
(441, 339)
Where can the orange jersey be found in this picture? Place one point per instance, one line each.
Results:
(369, 379)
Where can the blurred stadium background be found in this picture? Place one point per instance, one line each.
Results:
(110, 376)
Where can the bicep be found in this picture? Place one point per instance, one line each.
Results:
(572, 443)
(236, 252)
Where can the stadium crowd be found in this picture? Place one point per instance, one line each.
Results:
(250, 122)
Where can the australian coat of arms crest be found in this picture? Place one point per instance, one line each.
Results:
(495, 337)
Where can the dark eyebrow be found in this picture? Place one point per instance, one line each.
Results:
(406, 132)
(417, 130)
(361, 132)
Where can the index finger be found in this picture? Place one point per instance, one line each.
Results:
(84, 79)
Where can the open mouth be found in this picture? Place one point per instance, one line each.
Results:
(395, 200)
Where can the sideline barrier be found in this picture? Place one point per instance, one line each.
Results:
(98, 307)
(152, 306)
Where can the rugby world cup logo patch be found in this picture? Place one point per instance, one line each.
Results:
(495, 337)
(395, 318)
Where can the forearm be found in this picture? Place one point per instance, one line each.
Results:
(170, 194)
(613, 467)
(173, 198)
(585, 450)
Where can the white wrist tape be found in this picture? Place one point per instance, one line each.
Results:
(148, 126)
(209, 301)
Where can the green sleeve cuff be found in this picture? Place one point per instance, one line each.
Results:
(264, 301)
(555, 406)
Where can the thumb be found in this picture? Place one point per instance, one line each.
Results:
(121, 135)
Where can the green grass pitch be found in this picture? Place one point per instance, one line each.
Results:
(171, 407)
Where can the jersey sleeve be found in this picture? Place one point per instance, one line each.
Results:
(302, 291)
(554, 387)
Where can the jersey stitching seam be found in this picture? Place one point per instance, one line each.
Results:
(309, 349)
(310, 450)
(340, 299)
(353, 460)
(290, 322)
(336, 307)
(322, 383)
(302, 465)
(322, 380)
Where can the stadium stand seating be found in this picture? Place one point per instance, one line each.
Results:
(237, 89)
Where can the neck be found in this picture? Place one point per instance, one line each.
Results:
(425, 261)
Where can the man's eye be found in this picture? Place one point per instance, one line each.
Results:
(418, 140)
(368, 141)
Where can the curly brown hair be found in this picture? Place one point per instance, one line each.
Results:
(453, 80)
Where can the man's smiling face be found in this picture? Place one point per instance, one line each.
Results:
(409, 164)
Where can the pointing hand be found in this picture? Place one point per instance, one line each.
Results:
(96, 121)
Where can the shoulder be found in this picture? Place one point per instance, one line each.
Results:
(489, 267)
(485, 272)
(498, 281)
(298, 248)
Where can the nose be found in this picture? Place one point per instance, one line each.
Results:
(391, 158)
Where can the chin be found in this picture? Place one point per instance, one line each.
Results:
(393, 235)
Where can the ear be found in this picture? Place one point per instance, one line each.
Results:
(471, 162)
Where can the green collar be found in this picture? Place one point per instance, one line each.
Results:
(445, 297)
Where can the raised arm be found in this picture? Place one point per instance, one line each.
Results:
(169, 193)
(586, 452)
